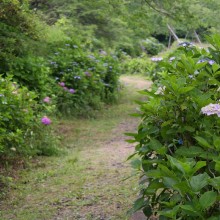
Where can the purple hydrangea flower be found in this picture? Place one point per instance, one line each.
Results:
(45, 120)
(61, 84)
(72, 91)
(211, 62)
(202, 61)
(156, 59)
(46, 99)
(211, 109)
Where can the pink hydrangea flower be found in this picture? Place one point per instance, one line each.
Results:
(46, 99)
(45, 120)
(72, 91)
(61, 84)
(211, 109)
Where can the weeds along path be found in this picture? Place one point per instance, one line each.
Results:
(87, 183)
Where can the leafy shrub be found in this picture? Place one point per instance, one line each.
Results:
(178, 138)
(85, 80)
(21, 132)
(152, 46)
(34, 73)
(140, 65)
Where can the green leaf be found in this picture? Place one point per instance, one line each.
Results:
(198, 165)
(175, 163)
(217, 165)
(136, 164)
(182, 187)
(199, 181)
(185, 89)
(191, 151)
(216, 142)
(207, 199)
(138, 204)
(215, 67)
(215, 182)
(203, 142)
(169, 182)
(157, 146)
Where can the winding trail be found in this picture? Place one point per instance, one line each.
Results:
(86, 185)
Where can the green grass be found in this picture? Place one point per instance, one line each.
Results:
(83, 183)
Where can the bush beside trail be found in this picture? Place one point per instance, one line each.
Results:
(178, 139)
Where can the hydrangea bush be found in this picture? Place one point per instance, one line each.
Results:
(85, 80)
(179, 138)
(21, 125)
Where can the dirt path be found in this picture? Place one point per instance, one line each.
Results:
(111, 157)
(86, 185)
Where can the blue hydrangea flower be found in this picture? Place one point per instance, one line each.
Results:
(180, 141)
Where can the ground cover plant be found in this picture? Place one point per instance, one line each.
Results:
(178, 138)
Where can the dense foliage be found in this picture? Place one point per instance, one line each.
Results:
(178, 138)
(46, 71)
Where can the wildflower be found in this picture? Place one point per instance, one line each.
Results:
(156, 59)
(77, 77)
(75, 46)
(202, 61)
(211, 109)
(67, 45)
(180, 141)
(45, 120)
(105, 64)
(65, 88)
(61, 84)
(191, 76)
(211, 62)
(172, 58)
(53, 63)
(1, 95)
(46, 99)
(72, 91)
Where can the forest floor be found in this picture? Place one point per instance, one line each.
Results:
(86, 183)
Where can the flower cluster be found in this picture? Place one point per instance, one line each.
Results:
(46, 99)
(156, 59)
(71, 90)
(211, 62)
(45, 120)
(211, 109)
